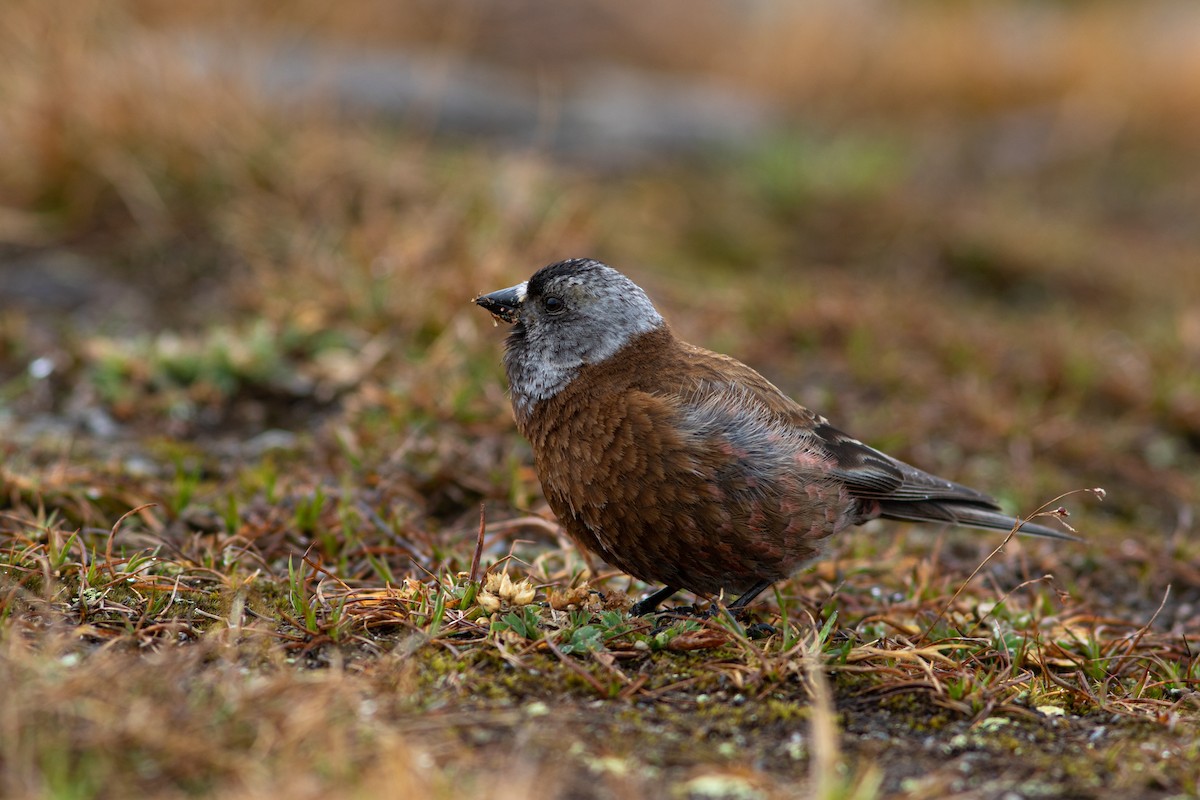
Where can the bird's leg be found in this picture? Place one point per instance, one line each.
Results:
(652, 602)
(759, 630)
(748, 596)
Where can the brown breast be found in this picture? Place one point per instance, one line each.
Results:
(634, 478)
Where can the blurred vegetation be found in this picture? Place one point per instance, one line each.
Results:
(248, 414)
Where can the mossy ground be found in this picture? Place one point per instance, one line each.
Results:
(249, 418)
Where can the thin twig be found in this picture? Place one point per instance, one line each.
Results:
(478, 546)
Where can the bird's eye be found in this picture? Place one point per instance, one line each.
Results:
(554, 305)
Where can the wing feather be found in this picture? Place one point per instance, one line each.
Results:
(900, 490)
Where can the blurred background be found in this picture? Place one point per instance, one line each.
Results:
(967, 232)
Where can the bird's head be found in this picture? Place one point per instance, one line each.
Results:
(566, 316)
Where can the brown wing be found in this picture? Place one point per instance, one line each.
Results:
(901, 490)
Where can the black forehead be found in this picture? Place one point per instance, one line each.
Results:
(552, 272)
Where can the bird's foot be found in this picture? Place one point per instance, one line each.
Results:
(651, 603)
(761, 630)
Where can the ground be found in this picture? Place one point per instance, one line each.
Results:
(266, 526)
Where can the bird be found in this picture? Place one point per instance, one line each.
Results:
(684, 467)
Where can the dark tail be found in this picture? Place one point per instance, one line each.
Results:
(967, 515)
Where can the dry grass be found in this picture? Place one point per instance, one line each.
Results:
(249, 416)
(1097, 72)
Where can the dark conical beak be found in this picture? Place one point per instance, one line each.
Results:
(504, 304)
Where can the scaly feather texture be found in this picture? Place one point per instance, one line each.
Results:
(686, 467)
